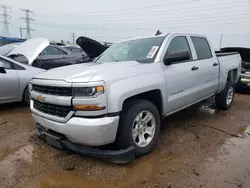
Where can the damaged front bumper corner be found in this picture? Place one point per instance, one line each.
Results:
(59, 141)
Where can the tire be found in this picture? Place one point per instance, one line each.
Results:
(129, 125)
(222, 99)
(26, 97)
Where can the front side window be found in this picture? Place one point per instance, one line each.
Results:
(141, 50)
(202, 48)
(179, 44)
(7, 64)
(6, 49)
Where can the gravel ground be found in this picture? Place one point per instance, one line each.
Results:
(195, 149)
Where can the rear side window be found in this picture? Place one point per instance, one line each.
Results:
(202, 48)
(52, 50)
(179, 44)
(77, 50)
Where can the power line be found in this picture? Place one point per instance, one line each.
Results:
(5, 22)
(166, 9)
(183, 20)
(127, 9)
(175, 11)
(212, 20)
(139, 8)
(166, 15)
(28, 21)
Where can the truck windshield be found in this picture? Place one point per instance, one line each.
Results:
(142, 50)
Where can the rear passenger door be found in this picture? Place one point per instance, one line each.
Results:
(208, 72)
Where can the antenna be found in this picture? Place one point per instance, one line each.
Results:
(28, 21)
(5, 22)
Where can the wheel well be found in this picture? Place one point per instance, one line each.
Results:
(232, 74)
(23, 95)
(153, 96)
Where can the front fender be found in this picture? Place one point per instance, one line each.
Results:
(120, 90)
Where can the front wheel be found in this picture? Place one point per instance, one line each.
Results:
(225, 98)
(139, 126)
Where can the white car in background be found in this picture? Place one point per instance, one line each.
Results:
(15, 76)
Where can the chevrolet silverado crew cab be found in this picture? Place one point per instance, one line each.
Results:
(120, 98)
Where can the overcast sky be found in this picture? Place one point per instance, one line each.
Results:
(114, 20)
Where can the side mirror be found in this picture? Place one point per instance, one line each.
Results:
(2, 69)
(176, 56)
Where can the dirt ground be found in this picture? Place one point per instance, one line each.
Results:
(190, 153)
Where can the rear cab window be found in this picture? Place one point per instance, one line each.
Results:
(202, 48)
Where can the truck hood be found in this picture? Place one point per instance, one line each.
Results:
(96, 71)
(30, 48)
(91, 47)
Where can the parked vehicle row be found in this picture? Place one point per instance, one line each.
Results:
(20, 62)
(121, 97)
(47, 56)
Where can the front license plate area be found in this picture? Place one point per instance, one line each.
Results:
(53, 141)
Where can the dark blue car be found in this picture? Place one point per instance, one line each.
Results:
(8, 40)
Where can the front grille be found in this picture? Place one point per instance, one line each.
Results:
(60, 91)
(52, 109)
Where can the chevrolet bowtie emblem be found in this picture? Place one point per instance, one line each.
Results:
(40, 98)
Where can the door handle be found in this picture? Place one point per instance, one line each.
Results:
(194, 68)
(215, 64)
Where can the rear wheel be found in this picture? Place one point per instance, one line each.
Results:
(139, 126)
(225, 98)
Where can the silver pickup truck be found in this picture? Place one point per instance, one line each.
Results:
(121, 97)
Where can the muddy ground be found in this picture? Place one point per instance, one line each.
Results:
(190, 153)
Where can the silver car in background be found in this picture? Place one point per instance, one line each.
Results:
(15, 76)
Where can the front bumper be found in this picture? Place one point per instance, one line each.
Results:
(84, 131)
(60, 141)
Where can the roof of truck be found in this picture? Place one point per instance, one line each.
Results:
(164, 35)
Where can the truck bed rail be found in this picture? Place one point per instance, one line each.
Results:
(220, 54)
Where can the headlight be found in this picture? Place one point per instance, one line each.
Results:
(88, 91)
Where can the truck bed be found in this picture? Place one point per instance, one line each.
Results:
(229, 61)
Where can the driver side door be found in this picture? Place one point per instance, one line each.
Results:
(181, 76)
(8, 82)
